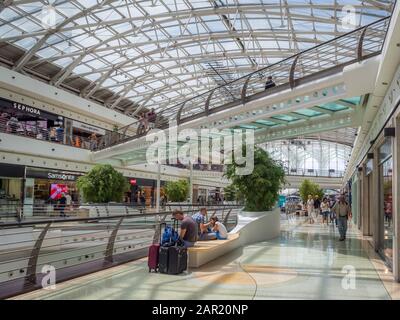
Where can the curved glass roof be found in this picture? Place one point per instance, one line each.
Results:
(134, 54)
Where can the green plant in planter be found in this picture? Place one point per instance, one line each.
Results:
(308, 187)
(103, 184)
(230, 193)
(260, 189)
(177, 191)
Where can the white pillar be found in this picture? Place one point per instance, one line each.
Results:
(158, 187)
(191, 182)
(396, 202)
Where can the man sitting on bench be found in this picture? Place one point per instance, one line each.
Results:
(188, 228)
(204, 232)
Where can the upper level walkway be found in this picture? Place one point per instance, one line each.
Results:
(305, 262)
(319, 89)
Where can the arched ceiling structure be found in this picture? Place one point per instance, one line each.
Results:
(130, 55)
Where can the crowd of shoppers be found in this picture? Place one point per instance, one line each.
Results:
(332, 212)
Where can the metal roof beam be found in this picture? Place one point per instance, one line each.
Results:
(31, 52)
(254, 9)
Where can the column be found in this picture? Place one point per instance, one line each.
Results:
(396, 202)
(360, 198)
(191, 181)
(375, 202)
(28, 197)
(158, 187)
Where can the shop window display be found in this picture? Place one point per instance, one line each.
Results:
(387, 168)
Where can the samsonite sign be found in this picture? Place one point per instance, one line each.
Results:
(51, 175)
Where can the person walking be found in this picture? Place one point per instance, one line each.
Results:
(317, 208)
(342, 211)
(325, 210)
(68, 202)
(270, 83)
(93, 142)
(310, 208)
(61, 204)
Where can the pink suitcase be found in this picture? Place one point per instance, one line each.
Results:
(152, 261)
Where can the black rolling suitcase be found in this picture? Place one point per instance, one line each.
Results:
(172, 258)
(163, 260)
(177, 259)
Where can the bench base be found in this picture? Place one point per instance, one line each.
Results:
(252, 227)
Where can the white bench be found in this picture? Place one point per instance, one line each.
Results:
(252, 227)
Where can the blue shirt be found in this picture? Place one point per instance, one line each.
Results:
(199, 218)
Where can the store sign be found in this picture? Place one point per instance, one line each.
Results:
(51, 175)
(61, 176)
(27, 109)
(132, 181)
(17, 108)
(88, 127)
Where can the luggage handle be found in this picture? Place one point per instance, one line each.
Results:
(162, 223)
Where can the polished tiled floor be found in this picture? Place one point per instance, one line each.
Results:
(306, 262)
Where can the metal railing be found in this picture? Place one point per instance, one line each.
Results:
(77, 246)
(21, 128)
(316, 62)
(21, 212)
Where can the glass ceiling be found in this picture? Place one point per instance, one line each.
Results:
(159, 53)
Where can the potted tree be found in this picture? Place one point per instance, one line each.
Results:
(177, 191)
(102, 184)
(308, 187)
(260, 191)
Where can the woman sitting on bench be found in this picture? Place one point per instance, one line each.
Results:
(219, 228)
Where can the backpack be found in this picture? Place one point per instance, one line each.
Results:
(169, 237)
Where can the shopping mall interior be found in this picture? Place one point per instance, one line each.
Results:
(272, 126)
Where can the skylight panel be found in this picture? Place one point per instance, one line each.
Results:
(68, 9)
(47, 52)
(200, 4)
(8, 31)
(27, 25)
(93, 76)
(230, 45)
(137, 72)
(216, 26)
(63, 62)
(122, 27)
(109, 82)
(96, 64)
(86, 40)
(8, 14)
(88, 3)
(173, 31)
(82, 69)
(26, 43)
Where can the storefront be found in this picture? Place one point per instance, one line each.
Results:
(386, 201)
(28, 121)
(81, 135)
(143, 191)
(11, 186)
(44, 187)
(17, 118)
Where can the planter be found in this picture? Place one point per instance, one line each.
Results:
(258, 226)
